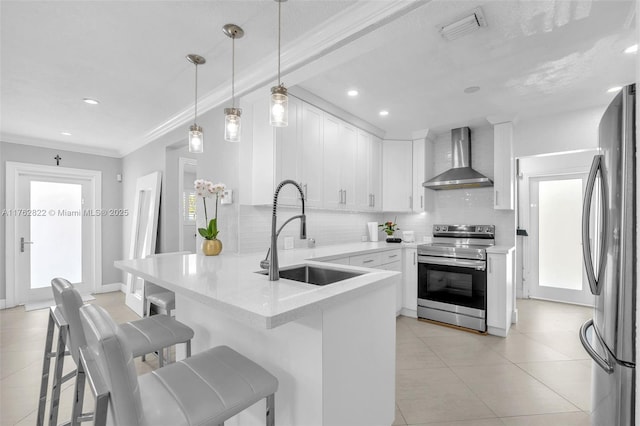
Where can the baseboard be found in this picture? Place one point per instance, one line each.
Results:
(3, 303)
(409, 313)
(108, 288)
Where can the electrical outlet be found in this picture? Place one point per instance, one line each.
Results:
(363, 238)
(288, 243)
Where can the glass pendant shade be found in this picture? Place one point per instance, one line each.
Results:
(196, 139)
(279, 107)
(232, 124)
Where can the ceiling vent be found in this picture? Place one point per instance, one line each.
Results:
(464, 26)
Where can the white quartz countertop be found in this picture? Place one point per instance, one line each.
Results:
(228, 282)
(500, 249)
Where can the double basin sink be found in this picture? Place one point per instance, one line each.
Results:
(316, 275)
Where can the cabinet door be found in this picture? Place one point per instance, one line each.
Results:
(396, 266)
(333, 189)
(499, 293)
(410, 282)
(418, 175)
(348, 152)
(363, 198)
(312, 154)
(288, 155)
(503, 174)
(375, 173)
(397, 176)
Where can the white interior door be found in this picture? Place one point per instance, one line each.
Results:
(556, 240)
(51, 231)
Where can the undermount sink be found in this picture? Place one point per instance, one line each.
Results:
(315, 275)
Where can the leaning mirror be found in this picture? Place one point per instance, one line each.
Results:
(143, 234)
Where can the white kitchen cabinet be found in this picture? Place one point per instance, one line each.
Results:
(340, 145)
(418, 175)
(397, 176)
(410, 283)
(503, 169)
(288, 155)
(311, 145)
(368, 172)
(499, 290)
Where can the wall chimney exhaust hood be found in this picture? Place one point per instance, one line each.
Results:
(460, 175)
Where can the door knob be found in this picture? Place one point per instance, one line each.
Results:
(22, 243)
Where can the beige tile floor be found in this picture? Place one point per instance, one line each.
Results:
(539, 375)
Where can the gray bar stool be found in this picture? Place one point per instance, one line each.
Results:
(56, 321)
(144, 336)
(206, 389)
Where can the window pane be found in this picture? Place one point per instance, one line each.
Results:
(57, 237)
(560, 250)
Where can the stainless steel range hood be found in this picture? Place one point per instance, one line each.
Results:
(460, 175)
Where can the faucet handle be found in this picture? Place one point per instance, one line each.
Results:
(264, 264)
(311, 242)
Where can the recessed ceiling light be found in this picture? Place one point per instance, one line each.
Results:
(90, 101)
(614, 89)
(384, 113)
(471, 89)
(352, 92)
(631, 49)
(65, 133)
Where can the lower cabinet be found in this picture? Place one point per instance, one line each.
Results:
(499, 292)
(410, 283)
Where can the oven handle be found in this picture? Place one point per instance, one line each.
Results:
(479, 265)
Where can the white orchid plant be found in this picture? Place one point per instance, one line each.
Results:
(207, 189)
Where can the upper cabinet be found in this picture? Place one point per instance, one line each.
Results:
(337, 165)
(397, 176)
(503, 185)
(419, 161)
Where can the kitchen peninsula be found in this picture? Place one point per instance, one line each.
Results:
(331, 347)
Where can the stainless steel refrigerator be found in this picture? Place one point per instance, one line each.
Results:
(610, 258)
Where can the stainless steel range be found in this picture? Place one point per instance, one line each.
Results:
(452, 275)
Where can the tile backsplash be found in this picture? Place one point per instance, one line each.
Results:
(326, 227)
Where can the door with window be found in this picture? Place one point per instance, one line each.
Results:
(556, 240)
(50, 231)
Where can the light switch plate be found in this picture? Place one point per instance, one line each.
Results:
(288, 243)
(227, 197)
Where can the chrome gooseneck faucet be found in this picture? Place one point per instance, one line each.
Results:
(272, 263)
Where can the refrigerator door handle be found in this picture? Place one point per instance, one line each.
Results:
(594, 283)
(608, 368)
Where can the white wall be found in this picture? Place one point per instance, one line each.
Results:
(111, 198)
(570, 131)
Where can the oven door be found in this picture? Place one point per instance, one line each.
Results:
(460, 283)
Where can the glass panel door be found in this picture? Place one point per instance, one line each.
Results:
(556, 211)
(53, 237)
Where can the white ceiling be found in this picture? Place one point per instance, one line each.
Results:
(533, 57)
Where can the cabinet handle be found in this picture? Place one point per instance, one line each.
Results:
(497, 194)
(411, 201)
(306, 192)
(490, 269)
(367, 261)
(422, 201)
(374, 200)
(392, 256)
(344, 194)
(340, 196)
(414, 258)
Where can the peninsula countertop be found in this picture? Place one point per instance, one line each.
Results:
(229, 282)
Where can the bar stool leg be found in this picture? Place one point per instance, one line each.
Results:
(271, 410)
(58, 380)
(46, 366)
(78, 396)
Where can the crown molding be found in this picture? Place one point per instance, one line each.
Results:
(354, 22)
(63, 146)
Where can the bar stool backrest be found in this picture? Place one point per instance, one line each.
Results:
(68, 300)
(110, 349)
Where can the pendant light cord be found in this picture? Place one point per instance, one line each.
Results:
(279, 30)
(233, 70)
(195, 115)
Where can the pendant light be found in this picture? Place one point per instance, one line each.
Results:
(279, 105)
(232, 115)
(196, 137)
